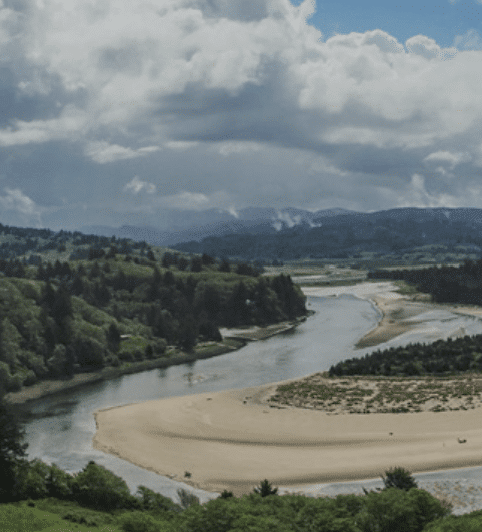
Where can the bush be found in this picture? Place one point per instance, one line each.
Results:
(400, 478)
(138, 522)
(99, 488)
(398, 510)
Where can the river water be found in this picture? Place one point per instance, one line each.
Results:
(62, 427)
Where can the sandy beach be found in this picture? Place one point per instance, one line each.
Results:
(234, 439)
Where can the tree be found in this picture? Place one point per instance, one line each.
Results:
(265, 488)
(400, 478)
(187, 498)
(97, 487)
(12, 450)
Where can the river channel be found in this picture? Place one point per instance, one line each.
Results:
(62, 426)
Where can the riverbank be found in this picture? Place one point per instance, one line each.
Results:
(397, 310)
(233, 339)
(232, 440)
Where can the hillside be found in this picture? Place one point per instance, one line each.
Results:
(391, 233)
(124, 302)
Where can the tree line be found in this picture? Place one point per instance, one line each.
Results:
(446, 284)
(442, 357)
(62, 318)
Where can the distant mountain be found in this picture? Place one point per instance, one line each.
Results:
(189, 226)
(347, 234)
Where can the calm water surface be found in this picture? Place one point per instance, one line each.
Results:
(64, 425)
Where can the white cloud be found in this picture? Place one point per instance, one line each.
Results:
(447, 157)
(136, 185)
(470, 40)
(417, 195)
(180, 145)
(224, 95)
(17, 208)
(102, 152)
(196, 201)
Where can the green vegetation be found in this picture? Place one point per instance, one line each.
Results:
(113, 309)
(443, 357)
(446, 284)
(408, 236)
(44, 498)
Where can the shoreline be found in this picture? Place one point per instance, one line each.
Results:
(232, 440)
(233, 340)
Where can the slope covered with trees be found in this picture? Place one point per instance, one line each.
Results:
(446, 284)
(111, 308)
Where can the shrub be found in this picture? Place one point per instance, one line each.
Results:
(99, 488)
(398, 477)
(138, 522)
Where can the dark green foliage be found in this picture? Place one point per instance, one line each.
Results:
(265, 489)
(139, 522)
(155, 502)
(187, 498)
(397, 510)
(461, 523)
(64, 318)
(400, 478)
(12, 449)
(99, 488)
(438, 358)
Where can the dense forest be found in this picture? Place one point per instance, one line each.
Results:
(348, 235)
(446, 284)
(112, 308)
(439, 358)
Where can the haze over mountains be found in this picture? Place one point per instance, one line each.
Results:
(267, 234)
(184, 226)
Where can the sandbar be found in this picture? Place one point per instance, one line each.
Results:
(232, 440)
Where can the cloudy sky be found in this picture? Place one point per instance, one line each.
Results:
(121, 112)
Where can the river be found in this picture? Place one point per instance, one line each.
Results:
(62, 426)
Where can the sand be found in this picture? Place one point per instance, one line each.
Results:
(234, 439)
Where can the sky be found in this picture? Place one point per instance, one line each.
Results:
(118, 112)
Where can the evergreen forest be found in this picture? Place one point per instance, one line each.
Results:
(86, 303)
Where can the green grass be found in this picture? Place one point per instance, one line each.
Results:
(50, 515)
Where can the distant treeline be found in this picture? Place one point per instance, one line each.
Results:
(347, 236)
(62, 318)
(446, 284)
(442, 357)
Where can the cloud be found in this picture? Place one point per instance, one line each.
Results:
(136, 185)
(196, 201)
(417, 195)
(447, 157)
(224, 104)
(102, 152)
(470, 40)
(17, 208)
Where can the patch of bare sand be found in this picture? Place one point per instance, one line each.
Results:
(232, 440)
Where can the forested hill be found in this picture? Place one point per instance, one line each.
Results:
(347, 235)
(446, 284)
(125, 302)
